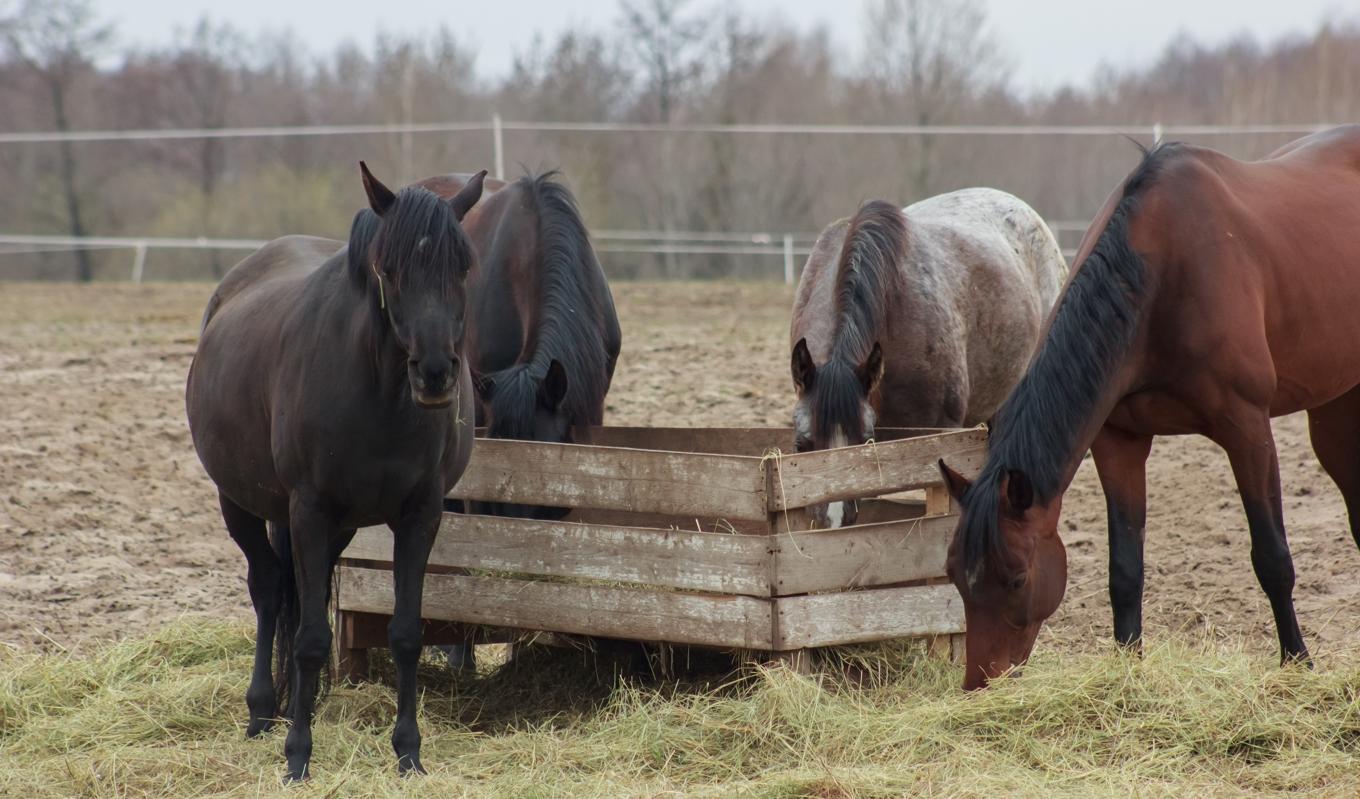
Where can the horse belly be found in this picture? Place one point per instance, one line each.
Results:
(227, 408)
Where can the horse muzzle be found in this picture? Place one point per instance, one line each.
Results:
(433, 385)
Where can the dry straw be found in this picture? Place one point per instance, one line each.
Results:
(162, 716)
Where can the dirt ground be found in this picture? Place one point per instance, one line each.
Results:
(108, 524)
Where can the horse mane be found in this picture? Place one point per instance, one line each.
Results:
(1041, 422)
(419, 232)
(569, 310)
(866, 277)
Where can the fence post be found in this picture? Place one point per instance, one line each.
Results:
(788, 259)
(1156, 133)
(139, 262)
(498, 145)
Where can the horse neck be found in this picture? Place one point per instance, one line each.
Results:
(866, 281)
(1066, 461)
(513, 269)
(1071, 387)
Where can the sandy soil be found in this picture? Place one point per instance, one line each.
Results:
(108, 524)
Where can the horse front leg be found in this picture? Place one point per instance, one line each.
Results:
(412, 539)
(1250, 445)
(312, 535)
(1121, 463)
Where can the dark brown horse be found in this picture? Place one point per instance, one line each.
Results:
(543, 335)
(329, 391)
(917, 317)
(1209, 295)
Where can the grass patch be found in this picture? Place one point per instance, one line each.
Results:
(163, 715)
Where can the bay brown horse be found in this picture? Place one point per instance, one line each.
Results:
(917, 317)
(1210, 295)
(543, 334)
(329, 391)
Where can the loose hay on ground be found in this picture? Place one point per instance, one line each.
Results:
(162, 716)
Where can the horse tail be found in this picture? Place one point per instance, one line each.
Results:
(577, 302)
(285, 631)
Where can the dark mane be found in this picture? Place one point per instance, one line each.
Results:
(420, 235)
(572, 303)
(866, 277)
(1040, 424)
(513, 402)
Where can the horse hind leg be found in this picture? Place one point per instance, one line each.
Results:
(312, 540)
(265, 580)
(1335, 432)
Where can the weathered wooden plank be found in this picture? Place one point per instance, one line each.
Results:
(872, 469)
(706, 619)
(874, 510)
(573, 475)
(717, 562)
(717, 440)
(659, 521)
(862, 556)
(851, 617)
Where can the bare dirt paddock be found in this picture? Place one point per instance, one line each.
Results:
(108, 525)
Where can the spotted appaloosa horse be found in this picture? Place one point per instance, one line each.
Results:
(1209, 295)
(923, 317)
(329, 392)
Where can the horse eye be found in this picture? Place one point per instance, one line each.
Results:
(1016, 583)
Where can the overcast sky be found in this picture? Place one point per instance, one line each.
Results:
(1049, 42)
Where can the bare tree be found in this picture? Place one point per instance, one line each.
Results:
(664, 41)
(926, 58)
(207, 66)
(57, 40)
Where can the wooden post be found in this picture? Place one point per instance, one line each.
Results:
(938, 501)
(351, 651)
(799, 661)
(950, 647)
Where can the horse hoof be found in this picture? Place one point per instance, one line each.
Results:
(259, 727)
(297, 774)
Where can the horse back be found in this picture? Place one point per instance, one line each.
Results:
(983, 269)
(1255, 266)
(241, 347)
(286, 258)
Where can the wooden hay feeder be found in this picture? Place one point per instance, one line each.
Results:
(685, 536)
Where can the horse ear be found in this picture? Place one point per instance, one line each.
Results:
(553, 389)
(804, 370)
(1017, 492)
(871, 371)
(471, 192)
(955, 482)
(380, 198)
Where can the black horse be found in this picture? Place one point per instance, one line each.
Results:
(330, 392)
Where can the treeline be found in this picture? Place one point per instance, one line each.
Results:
(924, 62)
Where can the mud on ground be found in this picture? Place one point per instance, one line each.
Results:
(108, 525)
